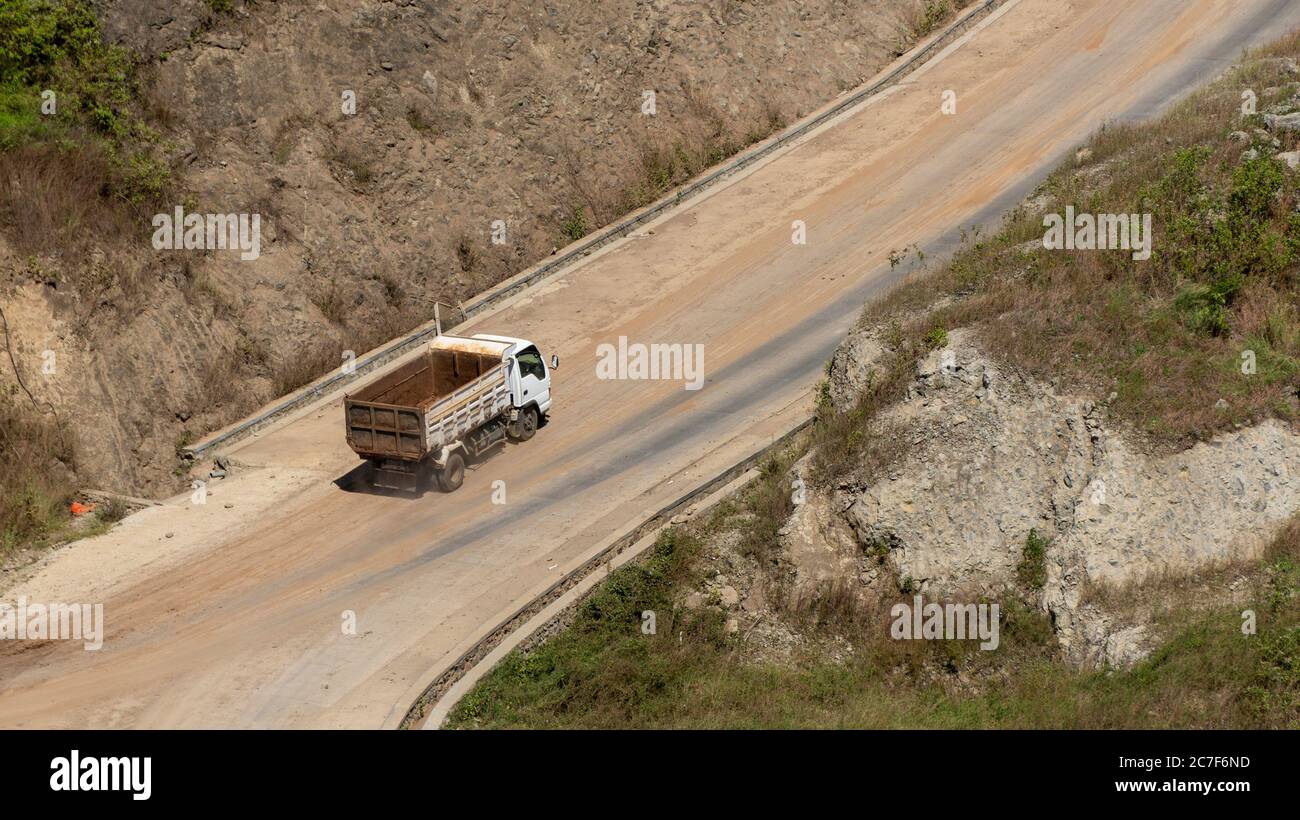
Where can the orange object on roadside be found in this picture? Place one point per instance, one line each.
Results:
(81, 509)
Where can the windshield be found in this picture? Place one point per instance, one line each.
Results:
(530, 363)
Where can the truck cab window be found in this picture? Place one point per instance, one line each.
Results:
(530, 363)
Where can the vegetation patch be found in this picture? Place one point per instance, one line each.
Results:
(37, 463)
(604, 668)
(604, 672)
(923, 19)
(1197, 339)
(70, 125)
(1031, 571)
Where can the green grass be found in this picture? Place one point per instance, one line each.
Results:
(56, 45)
(937, 338)
(605, 643)
(20, 116)
(603, 672)
(1031, 571)
(575, 226)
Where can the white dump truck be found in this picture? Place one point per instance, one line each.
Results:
(459, 397)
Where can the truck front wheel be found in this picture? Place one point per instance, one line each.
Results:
(452, 476)
(524, 429)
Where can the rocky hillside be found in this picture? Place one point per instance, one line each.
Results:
(379, 142)
(992, 457)
(1080, 425)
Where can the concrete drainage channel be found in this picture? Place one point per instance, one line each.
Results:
(306, 396)
(438, 698)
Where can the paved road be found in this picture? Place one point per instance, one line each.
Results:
(236, 621)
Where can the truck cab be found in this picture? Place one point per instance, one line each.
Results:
(530, 380)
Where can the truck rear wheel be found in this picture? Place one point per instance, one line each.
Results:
(452, 476)
(526, 426)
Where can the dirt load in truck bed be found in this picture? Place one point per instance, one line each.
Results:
(424, 380)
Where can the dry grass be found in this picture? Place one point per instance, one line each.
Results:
(662, 159)
(467, 254)
(55, 201)
(351, 165)
(422, 117)
(223, 384)
(34, 492)
(331, 301)
(287, 133)
(307, 365)
(768, 504)
(1156, 333)
(923, 18)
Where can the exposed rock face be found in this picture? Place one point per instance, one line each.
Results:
(983, 467)
(992, 456)
(1282, 122)
(1217, 502)
(851, 367)
(150, 27)
(820, 546)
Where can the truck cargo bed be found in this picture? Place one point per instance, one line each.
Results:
(451, 385)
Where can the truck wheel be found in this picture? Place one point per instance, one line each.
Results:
(453, 475)
(526, 426)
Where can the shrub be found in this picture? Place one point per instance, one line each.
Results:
(575, 227)
(56, 46)
(1031, 572)
(936, 338)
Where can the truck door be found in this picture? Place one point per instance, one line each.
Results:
(534, 386)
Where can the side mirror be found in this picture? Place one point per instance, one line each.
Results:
(555, 362)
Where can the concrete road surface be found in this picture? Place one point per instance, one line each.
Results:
(235, 619)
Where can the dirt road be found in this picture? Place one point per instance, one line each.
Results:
(235, 620)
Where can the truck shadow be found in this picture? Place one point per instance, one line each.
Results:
(359, 478)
